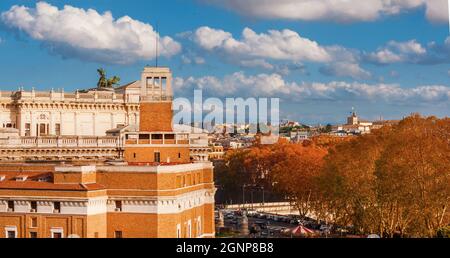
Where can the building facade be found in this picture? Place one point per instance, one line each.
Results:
(153, 189)
(87, 113)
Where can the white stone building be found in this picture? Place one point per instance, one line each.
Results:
(82, 113)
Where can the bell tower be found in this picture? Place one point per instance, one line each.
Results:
(156, 100)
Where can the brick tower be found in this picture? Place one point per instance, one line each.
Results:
(156, 100)
(156, 142)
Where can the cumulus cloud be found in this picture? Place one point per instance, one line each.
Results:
(256, 63)
(344, 69)
(410, 52)
(87, 34)
(252, 49)
(273, 85)
(281, 45)
(437, 11)
(336, 10)
(395, 52)
(192, 59)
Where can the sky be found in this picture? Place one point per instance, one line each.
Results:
(385, 58)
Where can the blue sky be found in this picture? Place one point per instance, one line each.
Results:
(385, 59)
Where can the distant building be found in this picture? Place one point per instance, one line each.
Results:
(354, 125)
(298, 136)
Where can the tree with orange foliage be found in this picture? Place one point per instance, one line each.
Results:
(296, 174)
(414, 177)
(393, 181)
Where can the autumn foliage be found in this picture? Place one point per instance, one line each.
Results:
(394, 181)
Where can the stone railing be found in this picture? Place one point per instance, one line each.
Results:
(94, 97)
(61, 142)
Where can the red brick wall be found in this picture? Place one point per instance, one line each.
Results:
(156, 117)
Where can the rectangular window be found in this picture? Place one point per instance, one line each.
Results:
(118, 206)
(27, 129)
(169, 136)
(144, 136)
(118, 234)
(56, 207)
(157, 157)
(11, 234)
(10, 205)
(33, 206)
(58, 129)
(178, 231)
(156, 83)
(57, 235)
(149, 82)
(42, 130)
(33, 235)
(34, 222)
(157, 136)
(164, 83)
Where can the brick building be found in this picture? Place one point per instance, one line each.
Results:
(156, 190)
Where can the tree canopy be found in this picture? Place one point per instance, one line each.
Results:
(394, 181)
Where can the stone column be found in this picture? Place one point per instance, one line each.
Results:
(112, 119)
(75, 123)
(33, 131)
(93, 123)
(51, 129)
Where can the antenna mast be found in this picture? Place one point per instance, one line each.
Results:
(157, 44)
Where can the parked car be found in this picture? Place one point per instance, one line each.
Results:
(294, 221)
(262, 216)
(230, 216)
(262, 225)
(251, 213)
(285, 219)
(324, 227)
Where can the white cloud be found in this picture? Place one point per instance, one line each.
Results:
(280, 45)
(344, 69)
(273, 85)
(87, 34)
(395, 52)
(190, 59)
(257, 63)
(437, 11)
(336, 10)
(253, 48)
